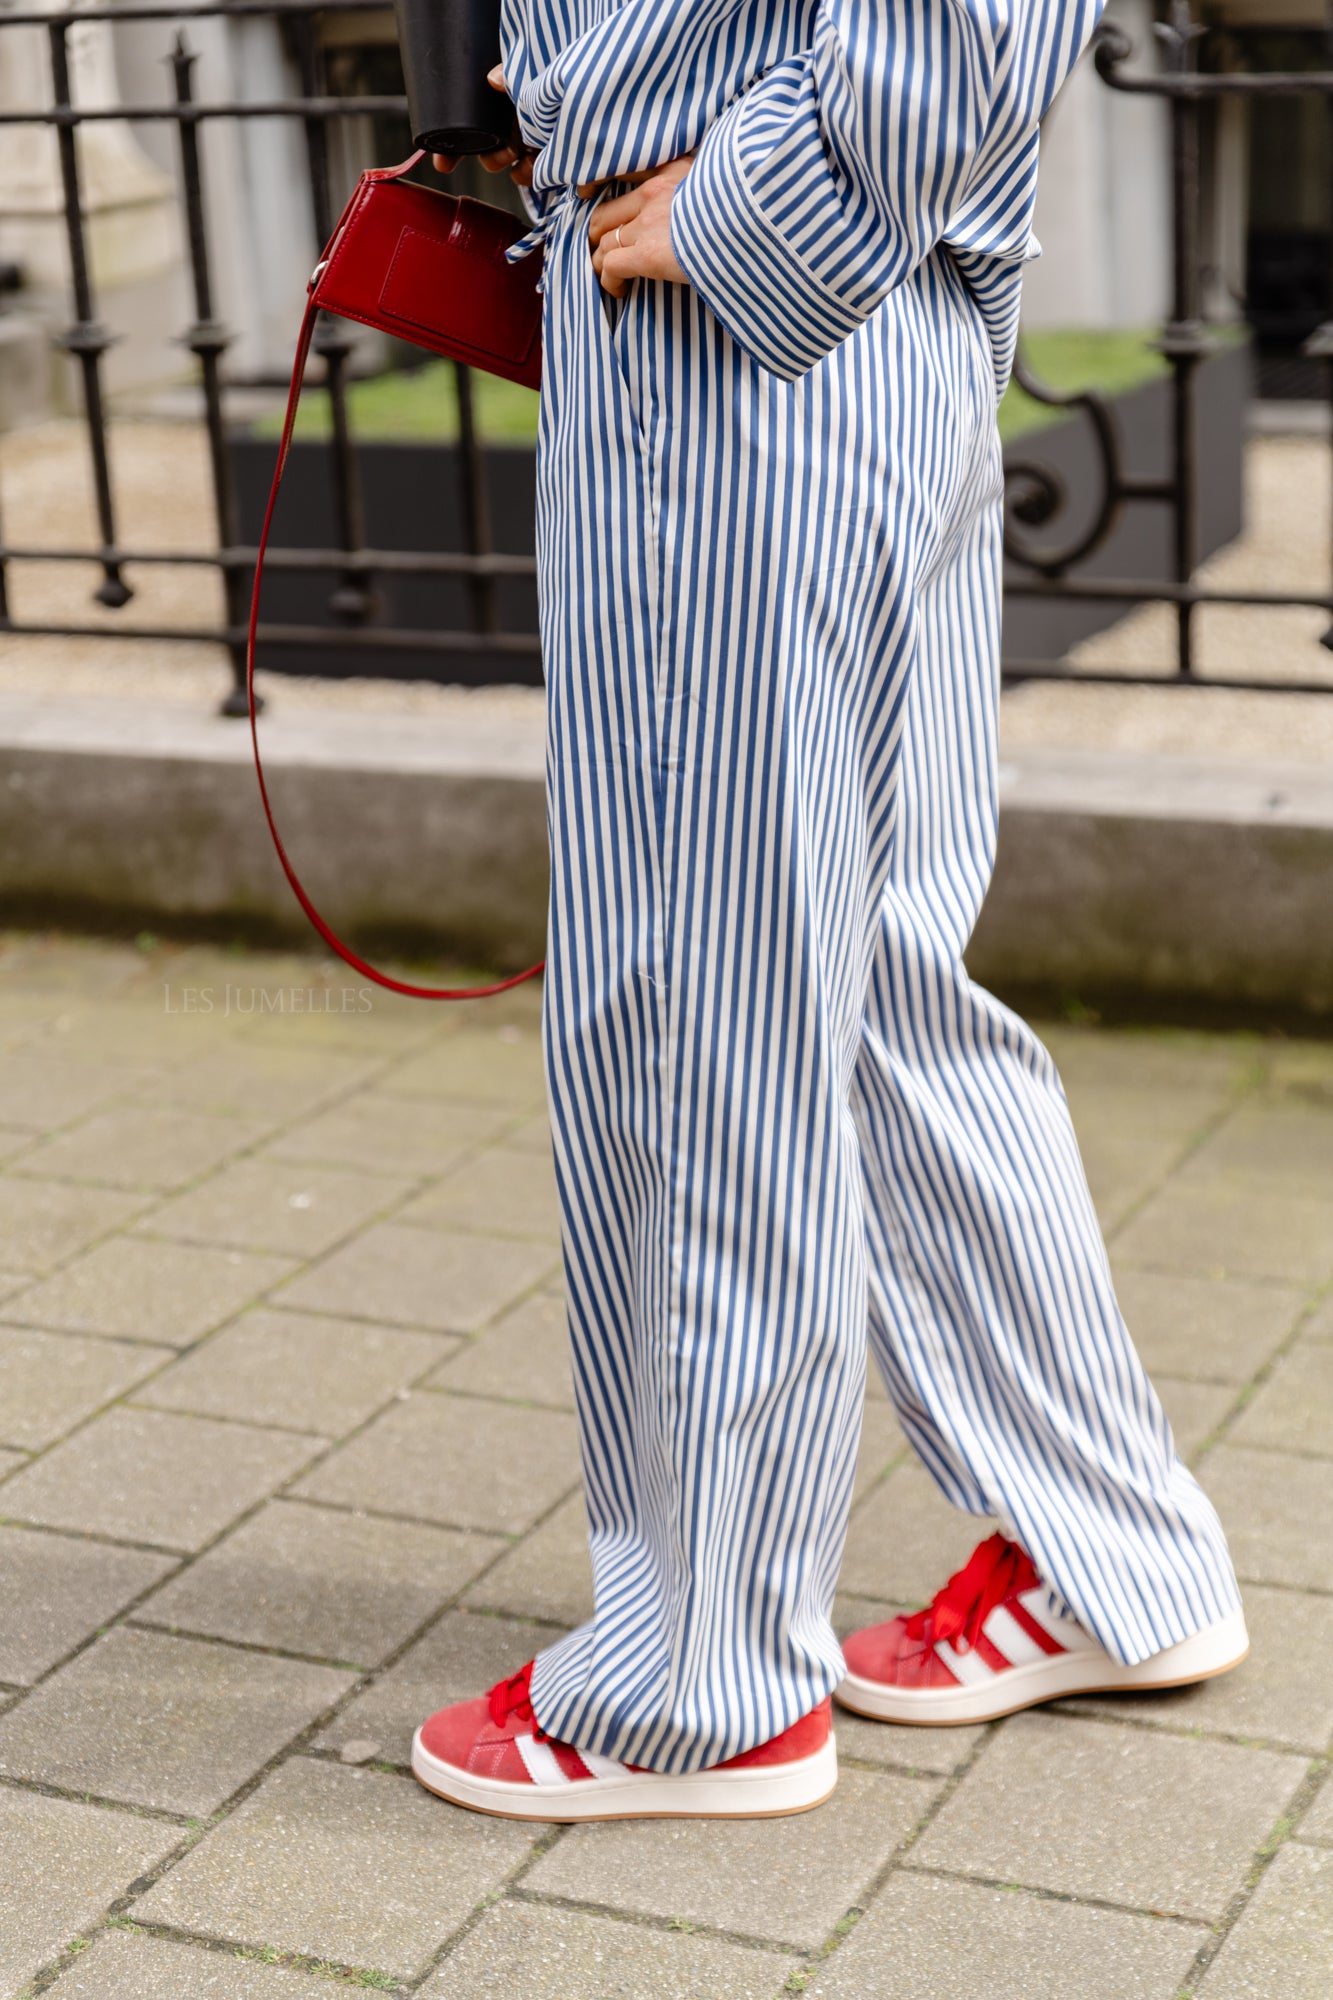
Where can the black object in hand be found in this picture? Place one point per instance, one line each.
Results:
(447, 47)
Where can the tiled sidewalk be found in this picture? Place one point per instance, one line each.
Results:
(288, 1459)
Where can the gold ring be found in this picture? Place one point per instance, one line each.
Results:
(619, 244)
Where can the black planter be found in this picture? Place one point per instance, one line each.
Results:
(1140, 545)
(413, 500)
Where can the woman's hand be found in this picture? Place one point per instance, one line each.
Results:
(631, 236)
(515, 157)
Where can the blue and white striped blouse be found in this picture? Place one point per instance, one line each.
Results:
(839, 142)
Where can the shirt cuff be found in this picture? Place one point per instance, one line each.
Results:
(775, 307)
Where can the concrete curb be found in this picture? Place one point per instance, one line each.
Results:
(1116, 873)
(1182, 877)
(404, 831)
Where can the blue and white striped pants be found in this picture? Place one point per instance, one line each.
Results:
(782, 1111)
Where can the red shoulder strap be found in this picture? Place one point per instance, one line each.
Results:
(329, 936)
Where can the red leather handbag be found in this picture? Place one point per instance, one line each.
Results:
(429, 268)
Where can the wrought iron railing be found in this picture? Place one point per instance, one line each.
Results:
(1041, 567)
(1037, 497)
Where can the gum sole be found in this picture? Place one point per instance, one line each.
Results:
(461, 1788)
(846, 1697)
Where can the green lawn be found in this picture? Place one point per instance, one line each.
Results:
(421, 406)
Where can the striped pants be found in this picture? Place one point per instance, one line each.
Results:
(783, 1115)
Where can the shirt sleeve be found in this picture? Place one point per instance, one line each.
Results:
(841, 169)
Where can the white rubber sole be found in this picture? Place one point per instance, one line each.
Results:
(1215, 1650)
(754, 1792)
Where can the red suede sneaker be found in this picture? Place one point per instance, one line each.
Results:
(492, 1755)
(996, 1639)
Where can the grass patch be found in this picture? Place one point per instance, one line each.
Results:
(420, 405)
(1112, 359)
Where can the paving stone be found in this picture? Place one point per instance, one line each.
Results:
(43, 1222)
(456, 1460)
(58, 962)
(298, 1210)
(503, 1191)
(1194, 1409)
(171, 1292)
(1126, 1815)
(1148, 1058)
(906, 1540)
(131, 1965)
(160, 1721)
(297, 1370)
(1320, 1324)
(551, 1954)
(10, 1462)
(1293, 1410)
(502, 1066)
(1271, 1138)
(391, 1135)
(1131, 1136)
(459, 1658)
(12, 1142)
(548, 1575)
(62, 1864)
(533, 1136)
(148, 1476)
(50, 1381)
(236, 1079)
(882, 1441)
(1318, 1821)
(342, 1586)
(927, 1937)
(129, 1031)
(889, 1747)
(1283, 1943)
(1275, 1510)
(522, 1358)
(39, 1091)
(1283, 1691)
(57, 1591)
(1221, 1229)
(136, 1147)
(1205, 1329)
(350, 1865)
(421, 1277)
(789, 1880)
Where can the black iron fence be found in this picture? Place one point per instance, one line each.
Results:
(1046, 565)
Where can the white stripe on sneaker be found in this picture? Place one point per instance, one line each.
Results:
(968, 1667)
(540, 1762)
(1067, 1632)
(604, 1767)
(1007, 1636)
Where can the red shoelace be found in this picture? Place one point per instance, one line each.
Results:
(957, 1613)
(512, 1697)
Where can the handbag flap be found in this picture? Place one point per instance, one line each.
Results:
(456, 286)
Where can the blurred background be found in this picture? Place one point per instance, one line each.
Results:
(166, 179)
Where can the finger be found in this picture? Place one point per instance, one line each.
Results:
(521, 175)
(496, 78)
(608, 216)
(444, 163)
(500, 161)
(619, 270)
